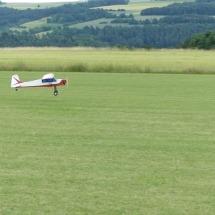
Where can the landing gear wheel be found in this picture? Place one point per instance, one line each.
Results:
(55, 93)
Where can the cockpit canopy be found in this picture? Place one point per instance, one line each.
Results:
(48, 78)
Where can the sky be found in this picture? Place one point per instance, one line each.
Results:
(35, 1)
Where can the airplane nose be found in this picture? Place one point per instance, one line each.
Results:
(64, 81)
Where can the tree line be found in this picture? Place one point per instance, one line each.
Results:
(185, 18)
(205, 40)
(200, 8)
(160, 36)
(72, 14)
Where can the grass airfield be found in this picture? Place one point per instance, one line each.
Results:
(110, 143)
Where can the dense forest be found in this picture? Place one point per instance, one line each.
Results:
(160, 36)
(200, 8)
(186, 20)
(167, 19)
(204, 40)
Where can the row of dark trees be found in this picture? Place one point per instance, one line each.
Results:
(168, 20)
(71, 14)
(204, 40)
(200, 8)
(160, 36)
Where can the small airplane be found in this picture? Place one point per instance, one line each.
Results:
(47, 80)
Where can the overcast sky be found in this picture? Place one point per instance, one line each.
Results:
(35, 1)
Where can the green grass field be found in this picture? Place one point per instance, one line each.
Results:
(107, 60)
(108, 144)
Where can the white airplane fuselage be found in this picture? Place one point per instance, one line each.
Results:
(39, 83)
(48, 80)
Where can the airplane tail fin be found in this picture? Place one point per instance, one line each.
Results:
(15, 80)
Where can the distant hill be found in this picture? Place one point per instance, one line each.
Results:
(79, 24)
(200, 8)
(68, 13)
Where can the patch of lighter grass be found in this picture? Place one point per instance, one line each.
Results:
(36, 23)
(137, 6)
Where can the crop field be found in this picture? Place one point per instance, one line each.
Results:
(136, 6)
(100, 23)
(109, 143)
(38, 23)
(25, 5)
